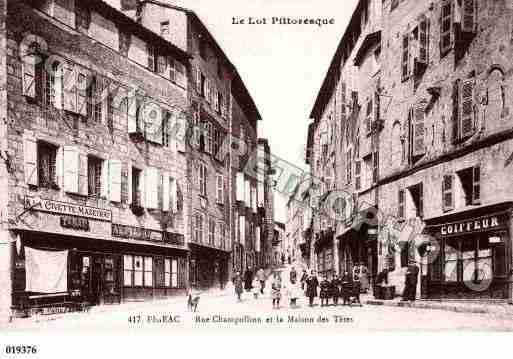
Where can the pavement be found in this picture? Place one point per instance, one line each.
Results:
(222, 311)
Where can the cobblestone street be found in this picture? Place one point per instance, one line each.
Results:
(223, 312)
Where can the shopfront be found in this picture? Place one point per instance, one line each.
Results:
(324, 253)
(470, 256)
(208, 267)
(358, 247)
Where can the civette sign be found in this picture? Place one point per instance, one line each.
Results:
(477, 225)
(70, 209)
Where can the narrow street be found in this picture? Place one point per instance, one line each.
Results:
(254, 313)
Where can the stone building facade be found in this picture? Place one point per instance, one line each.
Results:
(93, 209)
(431, 154)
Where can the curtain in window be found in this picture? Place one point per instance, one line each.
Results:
(46, 271)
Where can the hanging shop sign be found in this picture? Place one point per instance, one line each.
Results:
(79, 223)
(475, 225)
(69, 209)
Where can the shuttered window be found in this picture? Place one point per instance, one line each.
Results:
(151, 53)
(405, 60)
(137, 195)
(446, 27)
(202, 179)
(94, 175)
(467, 108)
(423, 41)
(198, 228)
(448, 192)
(220, 188)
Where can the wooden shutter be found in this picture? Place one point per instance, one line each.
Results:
(467, 107)
(446, 26)
(172, 69)
(419, 147)
(178, 131)
(69, 88)
(247, 193)
(240, 186)
(59, 166)
(29, 65)
(208, 137)
(423, 41)
(220, 189)
(476, 185)
(83, 175)
(166, 195)
(104, 185)
(173, 191)
(129, 185)
(30, 159)
(405, 60)
(368, 116)
(358, 174)
(151, 187)
(71, 168)
(115, 169)
(468, 16)
(455, 111)
(448, 192)
(132, 113)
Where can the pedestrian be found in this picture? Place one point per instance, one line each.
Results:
(276, 290)
(294, 292)
(364, 278)
(261, 278)
(347, 286)
(410, 282)
(304, 277)
(248, 279)
(381, 281)
(311, 287)
(335, 289)
(237, 283)
(325, 290)
(293, 274)
(256, 287)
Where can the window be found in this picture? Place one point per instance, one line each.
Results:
(152, 57)
(161, 65)
(138, 271)
(208, 136)
(53, 86)
(198, 228)
(446, 27)
(46, 160)
(469, 16)
(401, 205)
(94, 176)
(166, 123)
(203, 85)
(466, 108)
(469, 260)
(375, 167)
(128, 270)
(357, 174)
(211, 231)
(164, 28)
(220, 188)
(448, 193)
(97, 86)
(349, 159)
(405, 61)
(82, 17)
(470, 182)
(148, 272)
(136, 187)
(219, 108)
(202, 179)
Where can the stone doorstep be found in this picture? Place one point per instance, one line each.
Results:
(460, 307)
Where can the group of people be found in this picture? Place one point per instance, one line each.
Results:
(347, 286)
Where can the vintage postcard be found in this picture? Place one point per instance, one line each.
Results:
(337, 166)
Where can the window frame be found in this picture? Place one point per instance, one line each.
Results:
(49, 150)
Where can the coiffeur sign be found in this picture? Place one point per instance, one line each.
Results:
(475, 225)
(63, 208)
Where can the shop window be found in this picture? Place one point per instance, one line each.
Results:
(138, 271)
(451, 262)
(148, 272)
(128, 270)
(470, 183)
(46, 158)
(94, 176)
(110, 275)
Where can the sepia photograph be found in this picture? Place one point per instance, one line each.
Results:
(255, 165)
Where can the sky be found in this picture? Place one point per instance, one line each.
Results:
(283, 66)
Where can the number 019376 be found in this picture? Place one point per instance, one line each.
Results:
(20, 349)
